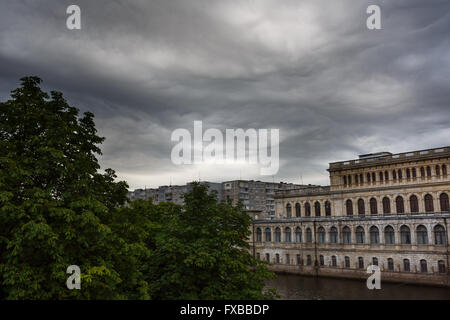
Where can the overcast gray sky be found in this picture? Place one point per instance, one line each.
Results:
(310, 68)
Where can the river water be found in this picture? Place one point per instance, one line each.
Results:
(295, 287)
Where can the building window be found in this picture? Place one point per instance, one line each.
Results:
(347, 235)
(307, 209)
(368, 177)
(439, 235)
(361, 178)
(441, 266)
(277, 258)
(405, 235)
(374, 261)
(258, 235)
(258, 256)
(361, 209)
(327, 208)
(298, 235)
(361, 262)
(308, 235)
(347, 262)
(299, 260)
(374, 177)
(374, 235)
(321, 260)
(389, 235)
(333, 261)
(373, 206)
(360, 235)
(268, 235)
(288, 259)
(277, 235)
(444, 170)
(422, 172)
(386, 175)
(423, 266)
(429, 203)
(333, 235)
(414, 173)
(408, 173)
(297, 210)
(345, 180)
(414, 204)
(349, 207)
(386, 205)
(321, 232)
(268, 257)
(406, 266)
(381, 176)
(288, 210)
(356, 178)
(317, 208)
(438, 170)
(400, 176)
(308, 260)
(428, 171)
(400, 204)
(422, 235)
(443, 199)
(287, 235)
(390, 262)
(394, 174)
(349, 180)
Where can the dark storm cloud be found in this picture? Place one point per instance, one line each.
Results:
(310, 68)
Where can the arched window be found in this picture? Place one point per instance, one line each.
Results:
(307, 209)
(439, 235)
(422, 172)
(414, 173)
(373, 206)
(386, 205)
(322, 260)
(405, 235)
(390, 262)
(321, 233)
(441, 266)
(423, 265)
(317, 208)
(356, 179)
(386, 175)
(389, 235)
(406, 266)
(298, 235)
(394, 174)
(361, 262)
(268, 235)
(374, 235)
(333, 235)
(399, 204)
(360, 235)
(288, 210)
(349, 178)
(368, 177)
(374, 177)
(361, 209)
(277, 258)
(381, 176)
(258, 235)
(429, 207)
(443, 199)
(361, 178)
(438, 170)
(347, 262)
(287, 234)
(399, 173)
(422, 235)
(349, 207)
(277, 234)
(408, 173)
(347, 235)
(414, 204)
(297, 210)
(327, 208)
(333, 261)
(345, 180)
(428, 171)
(375, 261)
(444, 170)
(308, 235)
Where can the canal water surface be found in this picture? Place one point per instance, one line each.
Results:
(311, 288)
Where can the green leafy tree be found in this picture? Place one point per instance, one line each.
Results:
(202, 252)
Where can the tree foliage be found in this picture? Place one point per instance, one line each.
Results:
(57, 209)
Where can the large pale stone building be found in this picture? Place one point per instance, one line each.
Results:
(387, 209)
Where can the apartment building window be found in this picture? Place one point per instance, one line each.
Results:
(360, 235)
(258, 235)
(268, 235)
(373, 206)
(317, 208)
(414, 204)
(361, 262)
(390, 262)
(308, 235)
(307, 209)
(429, 203)
(386, 205)
(288, 210)
(441, 266)
(287, 235)
(298, 235)
(389, 235)
(277, 235)
(406, 265)
(422, 235)
(374, 235)
(299, 260)
(399, 203)
(423, 266)
(439, 235)
(347, 235)
(333, 261)
(349, 207)
(361, 209)
(327, 208)
(374, 261)
(347, 262)
(297, 210)
(443, 199)
(321, 233)
(333, 235)
(405, 235)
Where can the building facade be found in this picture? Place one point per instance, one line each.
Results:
(390, 210)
